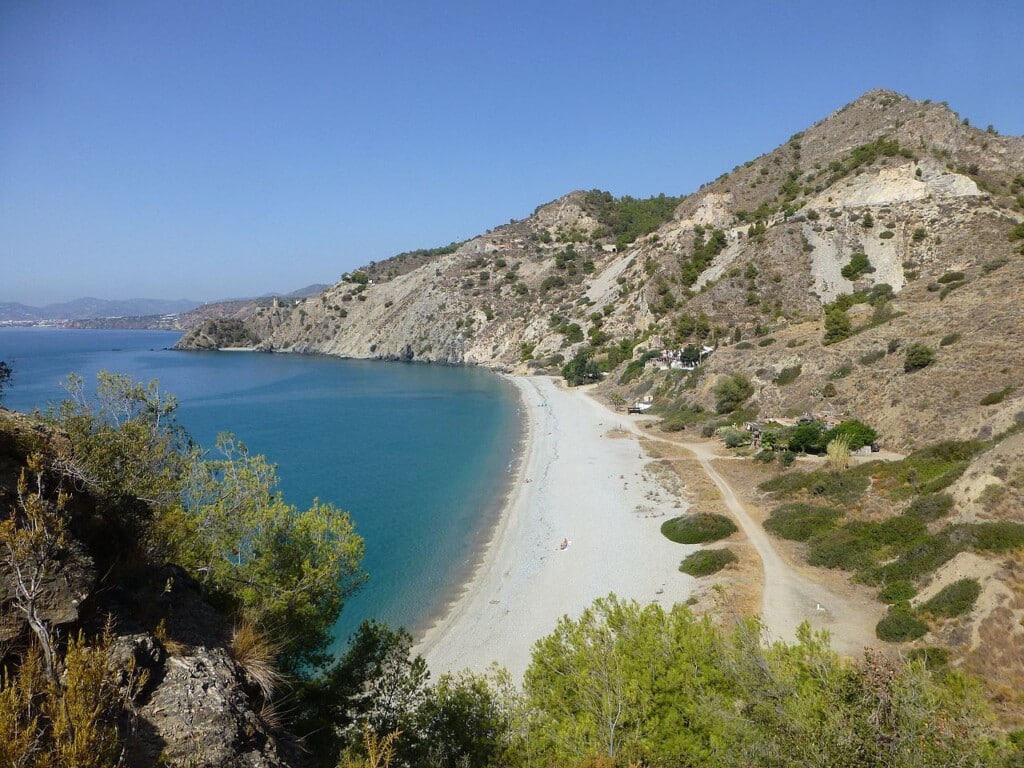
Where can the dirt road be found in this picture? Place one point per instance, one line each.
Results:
(789, 597)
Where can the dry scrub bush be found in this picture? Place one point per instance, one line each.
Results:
(256, 653)
(70, 721)
(380, 751)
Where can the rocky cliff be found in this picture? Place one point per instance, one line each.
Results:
(169, 678)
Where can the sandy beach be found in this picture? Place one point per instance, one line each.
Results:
(584, 479)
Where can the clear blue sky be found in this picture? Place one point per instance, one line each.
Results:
(212, 149)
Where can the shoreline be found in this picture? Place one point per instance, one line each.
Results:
(579, 477)
(494, 515)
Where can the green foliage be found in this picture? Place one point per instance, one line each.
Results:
(918, 356)
(869, 358)
(930, 506)
(707, 561)
(572, 332)
(731, 392)
(858, 265)
(359, 277)
(994, 398)
(581, 369)
(799, 521)
(951, 277)
(954, 599)
(900, 624)
(919, 557)
(126, 445)
(949, 338)
(857, 434)
(865, 154)
(625, 684)
(620, 682)
(636, 367)
(897, 592)
(698, 528)
(927, 469)
(837, 324)
(681, 414)
(272, 563)
(808, 437)
(931, 656)
(552, 281)
(627, 218)
(996, 536)
(704, 251)
(841, 487)
(376, 684)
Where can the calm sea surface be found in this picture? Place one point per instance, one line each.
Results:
(419, 455)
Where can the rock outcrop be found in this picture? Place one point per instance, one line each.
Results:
(188, 701)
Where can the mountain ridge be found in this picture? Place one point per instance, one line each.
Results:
(755, 254)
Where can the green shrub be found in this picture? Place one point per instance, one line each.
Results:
(949, 338)
(786, 458)
(948, 289)
(698, 528)
(922, 556)
(918, 356)
(788, 375)
(734, 437)
(837, 324)
(858, 265)
(859, 545)
(707, 561)
(798, 521)
(857, 434)
(930, 506)
(872, 357)
(731, 391)
(887, 235)
(636, 367)
(998, 536)
(766, 342)
(900, 624)
(897, 592)
(846, 548)
(744, 345)
(955, 599)
(994, 398)
(842, 487)
(933, 657)
(841, 372)
(951, 277)
(994, 264)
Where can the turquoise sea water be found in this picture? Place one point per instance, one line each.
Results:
(418, 454)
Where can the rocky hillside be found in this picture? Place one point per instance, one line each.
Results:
(896, 202)
(161, 681)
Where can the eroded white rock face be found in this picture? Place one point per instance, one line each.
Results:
(901, 184)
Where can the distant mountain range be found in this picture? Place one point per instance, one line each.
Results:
(133, 312)
(88, 308)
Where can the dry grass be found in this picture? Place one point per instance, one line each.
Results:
(256, 653)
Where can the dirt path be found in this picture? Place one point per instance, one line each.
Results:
(788, 597)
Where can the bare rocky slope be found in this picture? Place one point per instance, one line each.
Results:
(752, 256)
